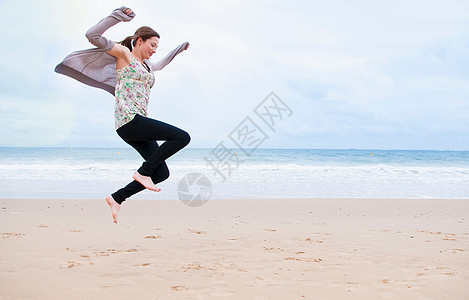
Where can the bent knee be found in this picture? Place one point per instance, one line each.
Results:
(160, 175)
(185, 137)
(165, 174)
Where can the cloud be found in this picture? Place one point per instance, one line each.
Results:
(42, 122)
(356, 74)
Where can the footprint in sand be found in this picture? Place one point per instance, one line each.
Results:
(443, 271)
(273, 249)
(309, 240)
(108, 252)
(452, 250)
(304, 259)
(196, 231)
(153, 237)
(72, 264)
(386, 281)
(179, 288)
(11, 235)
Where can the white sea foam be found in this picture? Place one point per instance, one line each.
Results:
(277, 174)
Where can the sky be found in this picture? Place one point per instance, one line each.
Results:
(365, 74)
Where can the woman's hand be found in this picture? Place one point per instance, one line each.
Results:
(128, 11)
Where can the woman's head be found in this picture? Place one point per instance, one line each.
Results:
(145, 40)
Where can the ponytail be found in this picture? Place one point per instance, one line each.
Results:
(127, 42)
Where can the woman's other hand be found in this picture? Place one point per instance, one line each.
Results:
(128, 11)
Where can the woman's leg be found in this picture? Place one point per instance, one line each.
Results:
(143, 129)
(161, 173)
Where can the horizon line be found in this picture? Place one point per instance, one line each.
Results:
(352, 148)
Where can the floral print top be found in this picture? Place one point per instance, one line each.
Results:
(132, 92)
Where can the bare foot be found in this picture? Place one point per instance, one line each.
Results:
(114, 207)
(146, 182)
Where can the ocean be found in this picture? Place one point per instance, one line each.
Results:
(94, 173)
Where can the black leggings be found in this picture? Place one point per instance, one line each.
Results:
(142, 134)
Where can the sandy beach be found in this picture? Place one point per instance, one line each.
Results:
(235, 249)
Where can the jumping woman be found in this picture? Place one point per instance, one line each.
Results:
(124, 70)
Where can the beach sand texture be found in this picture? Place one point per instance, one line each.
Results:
(235, 249)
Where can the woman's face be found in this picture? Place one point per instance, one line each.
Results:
(148, 47)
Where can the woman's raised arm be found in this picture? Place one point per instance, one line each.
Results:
(159, 65)
(94, 34)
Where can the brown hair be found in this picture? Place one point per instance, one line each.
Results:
(143, 32)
